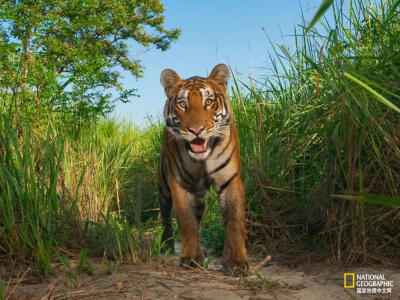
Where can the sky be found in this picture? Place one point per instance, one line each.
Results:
(233, 32)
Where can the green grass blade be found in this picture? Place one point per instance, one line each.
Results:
(373, 199)
(321, 11)
(373, 92)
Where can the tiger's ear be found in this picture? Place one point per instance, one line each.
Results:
(169, 78)
(220, 73)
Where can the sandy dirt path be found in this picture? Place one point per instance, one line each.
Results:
(168, 281)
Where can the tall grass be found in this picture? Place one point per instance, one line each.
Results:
(116, 157)
(311, 138)
(28, 198)
(60, 193)
(118, 187)
(319, 147)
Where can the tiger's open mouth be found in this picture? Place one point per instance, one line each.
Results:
(198, 145)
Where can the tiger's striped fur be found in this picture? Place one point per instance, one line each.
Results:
(200, 148)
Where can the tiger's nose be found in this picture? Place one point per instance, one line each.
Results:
(196, 130)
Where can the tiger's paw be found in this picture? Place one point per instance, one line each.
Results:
(192, 262)
(236, 269)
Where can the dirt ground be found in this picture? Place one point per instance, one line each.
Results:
(168, 281)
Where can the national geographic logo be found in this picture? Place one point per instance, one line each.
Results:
(368, 283)
(348, 277)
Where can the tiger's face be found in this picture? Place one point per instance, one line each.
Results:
(197, 109)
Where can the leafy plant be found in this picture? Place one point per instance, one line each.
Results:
(64, 55)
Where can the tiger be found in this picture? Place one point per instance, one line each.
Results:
(201, 147)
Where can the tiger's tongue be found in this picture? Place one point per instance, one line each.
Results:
(198, 145)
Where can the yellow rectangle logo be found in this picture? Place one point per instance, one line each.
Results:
(346, 275)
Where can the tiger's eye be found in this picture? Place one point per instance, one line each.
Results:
(182, 104)
(208, 102)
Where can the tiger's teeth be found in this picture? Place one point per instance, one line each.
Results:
(198, 145)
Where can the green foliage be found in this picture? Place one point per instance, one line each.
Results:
(28, 199)
(71, 272)
(155, 246)
(320, 157)
(373, 199)
(373, 92)
(212, 231)
(112, 238)
(310, 135)
(318, 15)
(122, 163)
(260, 282)
(83, 266)
(58, 194)
(65, 56)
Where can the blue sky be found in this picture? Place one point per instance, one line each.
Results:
(217, 31)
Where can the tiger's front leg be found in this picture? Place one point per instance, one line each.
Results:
(185, 207)
(232, 201)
